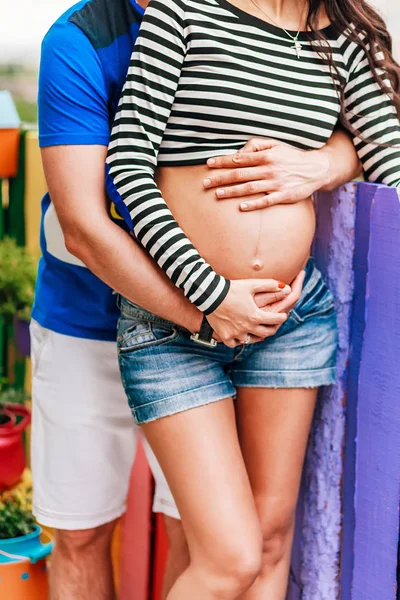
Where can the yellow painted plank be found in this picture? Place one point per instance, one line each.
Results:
(35, 187)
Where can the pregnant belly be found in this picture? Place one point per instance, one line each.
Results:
(273, 242)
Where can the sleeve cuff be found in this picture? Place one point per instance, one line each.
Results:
(207, 309)
(72, 139)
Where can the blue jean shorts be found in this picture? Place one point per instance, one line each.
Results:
(164, 372)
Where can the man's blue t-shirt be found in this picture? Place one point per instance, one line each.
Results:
(85, 57)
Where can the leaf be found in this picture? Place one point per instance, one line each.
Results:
(17, 280)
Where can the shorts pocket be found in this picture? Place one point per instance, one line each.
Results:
(317, 301)
(144, 334)
(39, 335)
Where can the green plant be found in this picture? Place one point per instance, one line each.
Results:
(26, 110)
(16, 517)
(11, 395)
(17, 280)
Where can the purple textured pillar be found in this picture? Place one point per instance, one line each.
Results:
(378, 422)
(322, 514)
(365, 195)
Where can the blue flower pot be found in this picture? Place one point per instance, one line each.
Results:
(25, 547)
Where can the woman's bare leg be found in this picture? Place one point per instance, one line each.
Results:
(200, 455)
(273, 429)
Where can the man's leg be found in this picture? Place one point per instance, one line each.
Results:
(178, 552)
(83, 445)
(82, 561)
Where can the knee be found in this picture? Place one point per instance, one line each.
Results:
(245, 567)
(277, 531)
(76, 544)
(236, 569)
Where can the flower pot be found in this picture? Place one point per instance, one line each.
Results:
(22, 336)
(9, 147)
(12, 450)
(7, 419)
(23, 567)
(9, 136)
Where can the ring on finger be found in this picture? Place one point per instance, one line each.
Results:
(247, 339)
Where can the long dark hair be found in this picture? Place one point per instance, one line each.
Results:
(376, 41)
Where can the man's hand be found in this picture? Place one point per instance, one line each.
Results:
(282, 173)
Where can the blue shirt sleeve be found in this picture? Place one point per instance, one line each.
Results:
(73, 99)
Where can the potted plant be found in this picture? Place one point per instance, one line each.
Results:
(14, 419)
(22, 554)
(16, 519)
(17, 284)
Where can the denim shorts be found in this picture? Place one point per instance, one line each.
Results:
(164, 372)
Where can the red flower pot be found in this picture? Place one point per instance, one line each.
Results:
(12, 450)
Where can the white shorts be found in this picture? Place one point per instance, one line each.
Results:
(83, 435)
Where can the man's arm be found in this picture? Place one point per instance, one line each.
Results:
(74, 133)
(343, 164)
(282, 172)
(75, 179)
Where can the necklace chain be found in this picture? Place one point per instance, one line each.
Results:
(295, 38)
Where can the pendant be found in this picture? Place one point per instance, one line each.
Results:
(297, 48)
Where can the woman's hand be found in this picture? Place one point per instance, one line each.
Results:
(239, 316)
(282, 172)
(281, 305)
(285, 303)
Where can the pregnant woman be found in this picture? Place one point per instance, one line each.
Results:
(229, 423)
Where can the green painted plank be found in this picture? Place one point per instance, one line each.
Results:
(15, 221)
(2, 216)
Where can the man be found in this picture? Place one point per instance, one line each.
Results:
(83, 438)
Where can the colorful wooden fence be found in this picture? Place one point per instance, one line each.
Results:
(348, 515)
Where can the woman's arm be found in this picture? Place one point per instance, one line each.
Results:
(372, 114)
(138, 129)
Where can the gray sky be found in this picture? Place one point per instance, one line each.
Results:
(23, 24)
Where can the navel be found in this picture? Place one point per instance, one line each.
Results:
(257, 264)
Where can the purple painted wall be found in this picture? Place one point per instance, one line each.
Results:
(348, 515)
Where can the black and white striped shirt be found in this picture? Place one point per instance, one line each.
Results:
(206, 76)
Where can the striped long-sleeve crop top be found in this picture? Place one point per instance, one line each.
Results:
(206, 76)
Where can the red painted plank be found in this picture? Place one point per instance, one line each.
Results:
(136, 533)
(159, 557)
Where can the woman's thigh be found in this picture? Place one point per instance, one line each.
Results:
(273, 426)
(199, 452)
